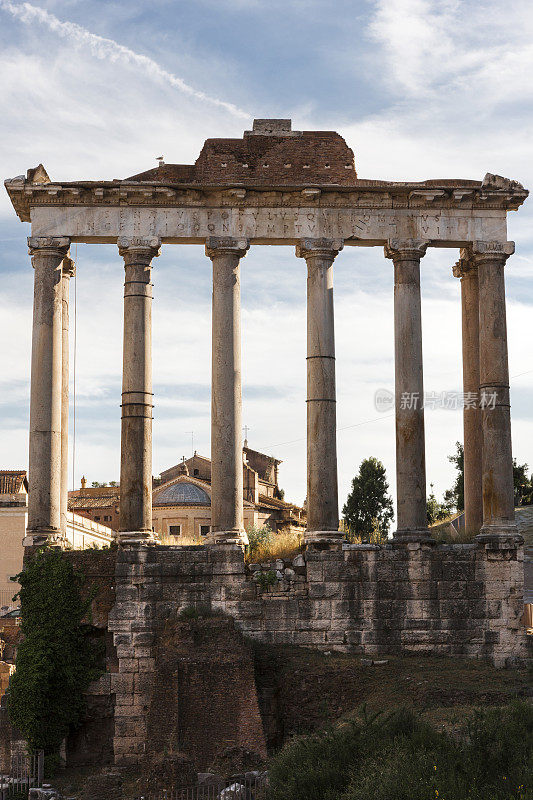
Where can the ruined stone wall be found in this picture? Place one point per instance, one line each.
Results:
(463, 600)
(92, 743)
(456, 600)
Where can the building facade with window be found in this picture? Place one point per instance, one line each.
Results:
(181, 499)
(80, 532)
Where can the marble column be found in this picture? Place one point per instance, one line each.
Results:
(227, 518)
(44, 474)
(135, 522)
(67, 270)
(409, 390)
(466, 270)
(322, 490)
(497, 460)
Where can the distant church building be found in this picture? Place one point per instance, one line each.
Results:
(181, 501)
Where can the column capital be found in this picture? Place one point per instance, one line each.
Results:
(68, 267)
(406, 249)
(319, 248)
(491, 251)
(136, 250)
(48, 245)
(465, 267)
(226, 246)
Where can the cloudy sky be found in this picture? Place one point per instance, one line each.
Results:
(420, 89)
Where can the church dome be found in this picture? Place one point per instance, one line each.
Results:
(184, 494)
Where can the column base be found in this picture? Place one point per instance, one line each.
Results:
(42, 537)
(324, 540)
(409, 535)
(126, 538)
(239, 538)
(502, 535)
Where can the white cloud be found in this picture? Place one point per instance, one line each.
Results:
(109, 50)
(445, 48)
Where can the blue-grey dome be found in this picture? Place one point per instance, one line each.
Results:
(185, 494)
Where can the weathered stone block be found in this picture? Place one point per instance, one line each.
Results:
(128, 665)
(121, 683)
(319, 591)
(146, 664)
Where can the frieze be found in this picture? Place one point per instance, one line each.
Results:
(284, 224)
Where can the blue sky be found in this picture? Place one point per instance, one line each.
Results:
(419, 88)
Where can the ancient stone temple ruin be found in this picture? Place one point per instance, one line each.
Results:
(276, 186)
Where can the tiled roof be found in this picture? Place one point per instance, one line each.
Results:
(92, 502)
(12, 481)
(275, 502)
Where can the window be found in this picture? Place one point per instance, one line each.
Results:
(97, 519)
(196, 472)
(107, 518)
(174, 530)
(204, 530)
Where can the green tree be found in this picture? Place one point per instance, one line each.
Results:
(455, 497)
(56, 659)
(435, 510)
(523, 488)
(369, 505)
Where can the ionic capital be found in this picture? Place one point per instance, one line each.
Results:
(139, 251)
(48, 245)
(216, 246)
(465, 267)
(68, 267)
(319, 248)
(406, 249)
(491, 251)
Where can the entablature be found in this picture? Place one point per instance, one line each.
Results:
(494, 192)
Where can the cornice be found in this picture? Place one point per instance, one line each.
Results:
(494, 192)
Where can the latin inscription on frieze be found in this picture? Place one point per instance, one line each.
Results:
(264, 224)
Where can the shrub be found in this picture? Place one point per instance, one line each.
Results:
(56, 659)
(259, 537)
(401, 757)
(266, 579)
(316, 767)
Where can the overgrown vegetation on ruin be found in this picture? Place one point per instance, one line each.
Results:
(56, 660)
(402, 757)
(265, 544)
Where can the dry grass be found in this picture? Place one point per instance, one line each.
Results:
(279, 545)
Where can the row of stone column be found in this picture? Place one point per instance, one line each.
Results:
(487, 439)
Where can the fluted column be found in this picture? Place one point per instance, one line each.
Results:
(322, 489)
(135, 524)
(466, 270)
(44, 474)
(67, 270)
(227, 517)
(409, 390)
(497, 460)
